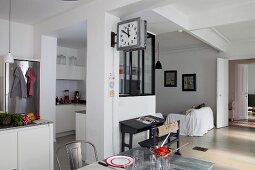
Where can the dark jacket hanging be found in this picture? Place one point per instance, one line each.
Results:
(19, 87)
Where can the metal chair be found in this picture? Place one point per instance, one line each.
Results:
(74, 153)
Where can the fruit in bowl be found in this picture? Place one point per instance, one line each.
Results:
(31, 116)
(163, 151)
(26, 119)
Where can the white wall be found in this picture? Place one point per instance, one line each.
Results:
(21, 39)
(48, 79)
(132, 107)
(71, 85)
(82, 60)
(200, 61)
(251, 78)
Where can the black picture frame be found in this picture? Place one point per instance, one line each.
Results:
(170, 78)
(189, 82)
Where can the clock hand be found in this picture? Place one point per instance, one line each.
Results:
(128, 32)
(125, 33)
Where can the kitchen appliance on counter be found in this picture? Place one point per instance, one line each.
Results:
(76, 97)
(22, 86)
(66, 96)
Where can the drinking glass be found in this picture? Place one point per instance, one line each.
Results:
(138, 156)
(165, 163)
(153, 161)
(158, 163)
(127, 167)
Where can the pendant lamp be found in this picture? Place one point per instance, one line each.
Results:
(9, 57)
(158, 64)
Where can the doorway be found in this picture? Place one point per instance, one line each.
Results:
(70, 80)
(242, 93)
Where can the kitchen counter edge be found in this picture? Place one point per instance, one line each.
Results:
(81, 111)
(37, 123)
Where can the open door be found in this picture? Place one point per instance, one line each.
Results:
(222, 93)
(241, 92)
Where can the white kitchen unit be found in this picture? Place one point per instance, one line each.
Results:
(65, 117)
(69, 72)
(81, 128)
(8, 148)
(81, 125)
(27, 147)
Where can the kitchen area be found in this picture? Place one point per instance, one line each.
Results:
(71, 82)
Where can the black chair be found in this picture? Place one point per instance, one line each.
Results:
(157, 136)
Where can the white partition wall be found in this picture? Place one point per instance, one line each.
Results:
(48, 78)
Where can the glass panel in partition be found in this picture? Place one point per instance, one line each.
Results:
(137, 70)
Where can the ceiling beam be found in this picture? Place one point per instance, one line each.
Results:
(211, 37)
(223, 16)
(139, 6)
(173, 15)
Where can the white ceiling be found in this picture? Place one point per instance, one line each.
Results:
(74, 36)
(155, 22)
(238, 31)
(234, 20)
(35, 11)
(196, 7)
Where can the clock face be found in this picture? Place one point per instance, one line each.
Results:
(128, 35)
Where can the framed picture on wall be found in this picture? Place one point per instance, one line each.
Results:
(189, 82)
(170, 78)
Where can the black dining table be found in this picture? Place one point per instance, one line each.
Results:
(177, 162)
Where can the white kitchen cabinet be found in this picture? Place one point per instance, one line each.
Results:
(8, 148)
(65, 117)
(33, 148)
(81, 130)
(67, 72)
(27, 147)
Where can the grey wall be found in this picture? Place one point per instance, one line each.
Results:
(251, 79)
(203, 62)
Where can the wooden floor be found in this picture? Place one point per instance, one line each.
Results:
(230, 148)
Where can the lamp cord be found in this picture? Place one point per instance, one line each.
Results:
(10, 4)
(158, 51)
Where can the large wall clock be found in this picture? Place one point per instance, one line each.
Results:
(131, 34)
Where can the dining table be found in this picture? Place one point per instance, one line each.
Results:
(177, 162)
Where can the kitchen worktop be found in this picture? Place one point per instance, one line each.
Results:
(83, 104)
(81, 111)
(35, 123)
(74, 102)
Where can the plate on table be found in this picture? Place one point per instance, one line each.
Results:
(119, 161)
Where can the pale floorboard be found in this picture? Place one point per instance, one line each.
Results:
(230, 148)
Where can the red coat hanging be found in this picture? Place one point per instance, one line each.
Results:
(31, 78)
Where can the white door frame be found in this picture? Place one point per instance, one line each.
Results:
(222, 114)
